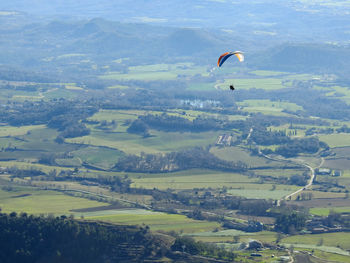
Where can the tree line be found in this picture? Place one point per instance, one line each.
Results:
(63, 115)
(27, 238)
(165, 122)
(175, 161)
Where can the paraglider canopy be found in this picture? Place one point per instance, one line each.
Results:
(226, 55)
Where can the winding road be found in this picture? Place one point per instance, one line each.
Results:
(301, 162)
(309, 183)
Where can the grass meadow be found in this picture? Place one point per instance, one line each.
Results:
(336, 140)
(341, 152)
(158, 72)
(270, 105)
(192, 179)
(98, 156)
(16, 131)
(278, 172)
(331, 257)
(263, 191)
(336, 251)
(321, 211)
(343, 93)
(337, 163)
(42, 202)
(267, 111)
(323, 195)
(120, 116)
(158, 221)
(36, 166)
(239, 154)
(331, 240)
(158, 142)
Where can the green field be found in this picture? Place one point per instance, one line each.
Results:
(341, 152)
(278, 172)
(346, 174)
(337, 163)
(341, 240)
(322, 195)
(28, 166)
(16, 131)
(329, 249)
(343, 93)
(134, 144)
(99, 156)
(69, 162)
(336, 140)
(171, 141)
(159, 221)
(269, 105)
(263, 191)
(127, 146)
(320, 211)
(158, 72)
(33, 201)
(33, 144)
(42, 202)
(120, 116)
(266, 111)
(331, 257)
(236, 154)
(29, 96)
(117, 115)
(73, 87)
(158, 142)
(118, 87)
(192, 179)
(345, 181)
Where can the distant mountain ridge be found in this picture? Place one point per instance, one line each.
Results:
(311, 58)
(99, 38)
(295, 20)
(76, 46)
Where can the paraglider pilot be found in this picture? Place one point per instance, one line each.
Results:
(226, 55)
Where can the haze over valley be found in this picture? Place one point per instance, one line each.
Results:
(121, 140)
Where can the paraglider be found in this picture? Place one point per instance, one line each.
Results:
(226, 55)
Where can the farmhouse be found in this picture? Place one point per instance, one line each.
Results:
(337, 173)
(2, 170)
(323, 171)
(224, 140)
